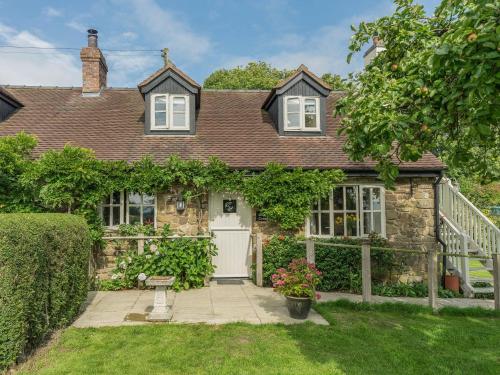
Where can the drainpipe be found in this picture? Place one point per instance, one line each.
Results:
(437, 222)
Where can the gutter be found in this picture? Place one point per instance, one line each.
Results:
(437, 224)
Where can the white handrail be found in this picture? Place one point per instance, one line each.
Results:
(470, 204)
(468, 219)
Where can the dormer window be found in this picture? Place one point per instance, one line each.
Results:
(169, 112)
(301, 113)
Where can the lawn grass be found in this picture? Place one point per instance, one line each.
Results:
(362, 339)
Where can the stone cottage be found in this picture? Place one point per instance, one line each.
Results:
(169, 113)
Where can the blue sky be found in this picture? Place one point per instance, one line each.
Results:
(202, 36)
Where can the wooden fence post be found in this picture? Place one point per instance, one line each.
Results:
(432, 277)
(366, 272)
(496, 280)
(259, 260)
(310, 251)
(140, 244)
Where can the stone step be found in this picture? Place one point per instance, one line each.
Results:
(483, 290)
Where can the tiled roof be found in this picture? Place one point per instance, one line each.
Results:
(303, 69)
(230, 125)
(9, 97)
(172, 67)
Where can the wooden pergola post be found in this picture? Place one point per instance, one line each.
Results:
(432, 278)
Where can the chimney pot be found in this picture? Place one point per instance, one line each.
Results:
(92, 38)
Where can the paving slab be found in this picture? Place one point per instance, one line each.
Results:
(215, 304)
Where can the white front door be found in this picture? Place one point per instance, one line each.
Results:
(230, 221)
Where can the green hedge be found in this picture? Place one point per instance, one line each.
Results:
(43, 278)
(341, 267)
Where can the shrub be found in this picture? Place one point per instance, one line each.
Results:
(44, 262)
(341, 267)
(189, 260)
(299, 280)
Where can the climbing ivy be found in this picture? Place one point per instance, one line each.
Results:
(74, 180)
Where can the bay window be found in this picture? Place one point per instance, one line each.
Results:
(351, 210)
(301, 113)
(128, 208)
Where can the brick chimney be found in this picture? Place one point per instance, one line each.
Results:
(374, 50)
(94, 68)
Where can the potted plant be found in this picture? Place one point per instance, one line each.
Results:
(298, 285)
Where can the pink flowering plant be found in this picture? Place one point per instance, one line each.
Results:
(299, 280)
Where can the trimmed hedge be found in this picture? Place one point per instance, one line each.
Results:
(341, 267)
(43, 278)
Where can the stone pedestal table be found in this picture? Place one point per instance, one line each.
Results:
(160, 312)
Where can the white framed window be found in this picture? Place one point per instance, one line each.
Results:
(141, 209)
(350, 211)
(169, 112)
(301, 113)
(372, 212)
(112, 210)
(130, 208)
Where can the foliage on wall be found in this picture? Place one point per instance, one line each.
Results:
(74, 180)
(286, 196)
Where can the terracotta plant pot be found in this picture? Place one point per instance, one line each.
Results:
(298, 307)
(452, 282)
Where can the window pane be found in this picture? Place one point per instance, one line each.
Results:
(376, 199)
(106, 216)
(338, 199)
(310, 106)
(367, 227)
(293, 120)
(116, 197)
(160, 119)
(325, 224)
(315, 206)
(377, 222)
(179, 104)
(325, 204)
(160, 103)
(116, 215)
(148, 215)
(314, 224)
(134, 215)
(310, 121)
(339, 224)
(293, 105)
(350, 196)
(352, 224)
(148, 199)
(134, 198)
(366, 199)
(179, 120)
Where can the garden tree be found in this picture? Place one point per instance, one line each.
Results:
(15, 154)
(258, 75)
(434, 89)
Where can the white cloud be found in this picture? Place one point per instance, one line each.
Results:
(129, 35)
(123, 68)
(323, 50)
(167, 29)
(52, 12)
(76, 25)
(35, 67)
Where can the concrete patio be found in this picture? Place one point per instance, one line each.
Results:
(219, 304)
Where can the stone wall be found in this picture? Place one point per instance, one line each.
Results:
(192, 221)
(409, 220)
